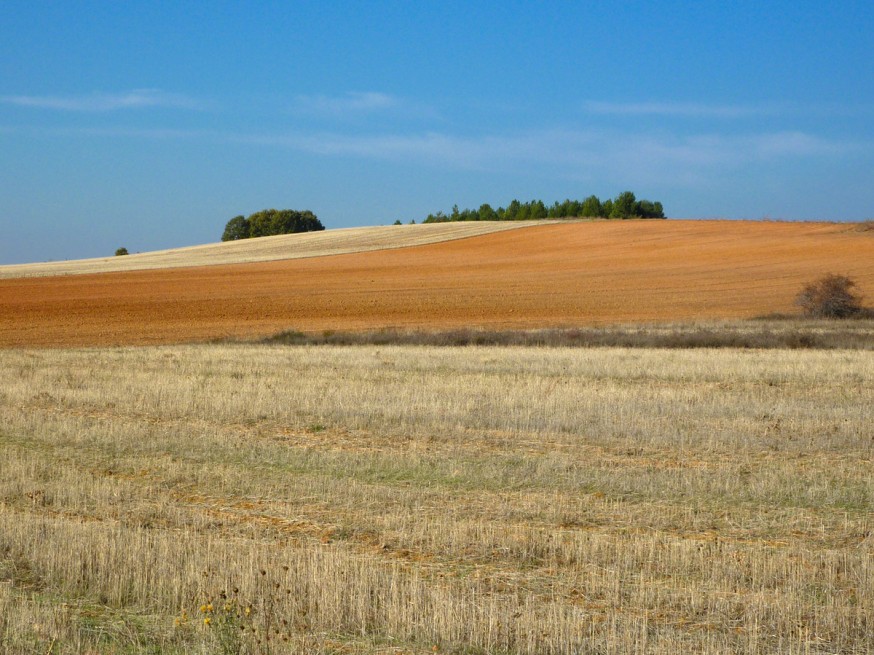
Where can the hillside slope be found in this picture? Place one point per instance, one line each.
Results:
(549, 275)
(283, 246)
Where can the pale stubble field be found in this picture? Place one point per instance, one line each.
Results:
(404, 499)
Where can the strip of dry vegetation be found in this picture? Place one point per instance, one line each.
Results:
(397, 499)
(272, 248)
(766, 333)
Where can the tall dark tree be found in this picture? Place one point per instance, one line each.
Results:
(537, 210)
(486, 213)
(260, 223)
(308, 222)
(592, 207)
(624, 205)
(647, 209)
(572, 208)
(512, 211)
(236, 228)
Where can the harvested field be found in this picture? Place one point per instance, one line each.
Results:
(417, 500)
(285, 246)
(582, 273)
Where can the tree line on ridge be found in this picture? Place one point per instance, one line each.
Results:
(625, 205)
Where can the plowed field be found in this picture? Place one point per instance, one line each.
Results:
(550, 275)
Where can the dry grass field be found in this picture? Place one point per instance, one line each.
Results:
(568, 274)
(274, 499)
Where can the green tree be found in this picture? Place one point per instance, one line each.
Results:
(573, 208)
(486, 213)
(647, 209)
(439, 217)
(624, 205)
(236, 228)
(556, 211)
(308, 222)
(268, 222)
(121, 251)
(591, 207)
(512, 210)
(537, 210)
(260, 223)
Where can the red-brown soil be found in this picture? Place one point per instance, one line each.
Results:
(551, 275)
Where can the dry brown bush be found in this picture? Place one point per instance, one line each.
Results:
(830, 296)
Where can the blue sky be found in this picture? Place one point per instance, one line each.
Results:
(149, 125)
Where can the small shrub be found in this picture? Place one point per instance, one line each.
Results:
(830, 296)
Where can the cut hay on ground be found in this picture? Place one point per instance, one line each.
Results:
(411, 500)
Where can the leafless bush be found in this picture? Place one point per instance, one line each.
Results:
(830, 296)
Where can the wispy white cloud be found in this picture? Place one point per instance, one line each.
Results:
(664, 157)
(350, 103)
(575, 148)
(428, 146)
(156, 133)
(359, 106)
(680, 109)
(104, 102)
(643, 160)
(798, 144)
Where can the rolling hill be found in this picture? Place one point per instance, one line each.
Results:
(566, 274)
(272, 248)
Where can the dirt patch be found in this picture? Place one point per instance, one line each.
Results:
(547, 276)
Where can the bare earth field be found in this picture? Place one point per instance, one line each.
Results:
(581, 273)
(267, 499)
